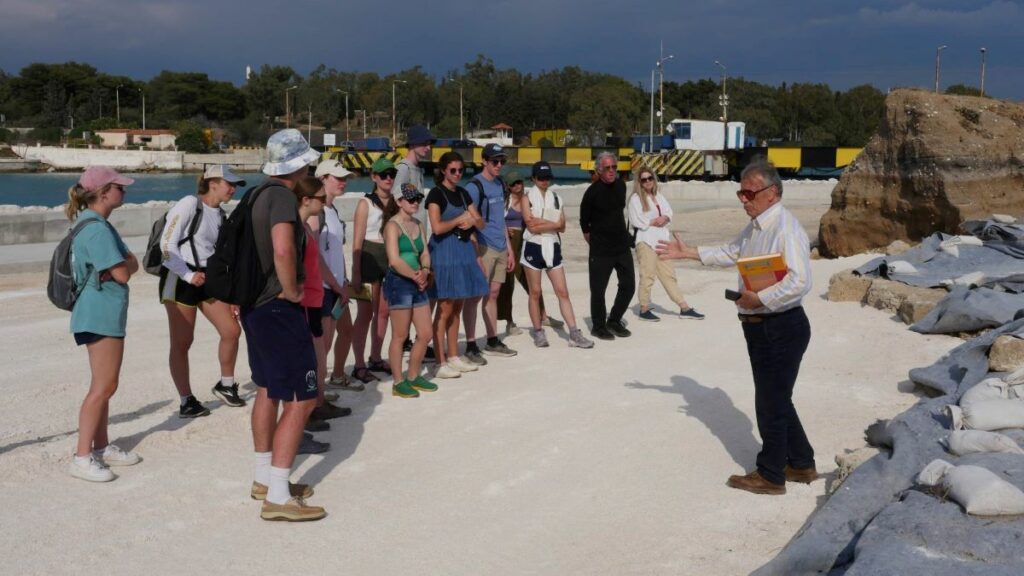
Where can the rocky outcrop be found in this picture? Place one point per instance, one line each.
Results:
(937, 161)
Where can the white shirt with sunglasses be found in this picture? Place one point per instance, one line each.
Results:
(646, 232)
(776, 230)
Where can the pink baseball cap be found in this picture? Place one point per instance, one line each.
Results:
(96, 177)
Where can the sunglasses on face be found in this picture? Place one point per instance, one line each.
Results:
(388, 175)
(749, 195)
(320, 197)
(542, 178)
(455, 170)
(497, 161)
(415, 200)
(609, 168)
(646, 179)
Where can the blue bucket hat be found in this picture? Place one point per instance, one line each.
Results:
(287, 151)
(418, 136)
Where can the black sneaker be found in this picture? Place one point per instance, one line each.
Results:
(329, 411)
(649, 316)
(616, 327)
(314, 425)
(603, 333)
(192, 409)
(473, 355)
(407, 345)
(311, 446)
(228, 394)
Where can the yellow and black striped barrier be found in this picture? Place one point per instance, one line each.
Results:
(672, 164)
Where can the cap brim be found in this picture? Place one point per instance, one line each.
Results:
(123, 181)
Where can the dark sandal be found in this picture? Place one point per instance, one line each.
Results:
(379, 366)
(364, 375)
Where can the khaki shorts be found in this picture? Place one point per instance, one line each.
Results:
(495, 263)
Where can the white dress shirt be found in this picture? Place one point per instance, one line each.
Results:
(774, 230)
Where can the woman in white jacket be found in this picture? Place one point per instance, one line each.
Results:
(650, 215)
(186, 244)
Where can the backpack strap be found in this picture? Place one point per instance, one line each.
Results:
(483, 207)
(193, 227)
(79, 226)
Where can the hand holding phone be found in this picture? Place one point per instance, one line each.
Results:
(732, 295)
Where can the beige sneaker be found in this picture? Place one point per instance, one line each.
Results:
(259, 491)
(294, 510)
(447, 371)
(461, 364)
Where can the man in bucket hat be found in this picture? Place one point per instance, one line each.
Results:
(281, 353)
(418, 141)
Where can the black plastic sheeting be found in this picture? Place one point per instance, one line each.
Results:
(878, 523)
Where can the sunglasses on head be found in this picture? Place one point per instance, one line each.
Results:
(455, 170)
(388, 174)
(749, 195)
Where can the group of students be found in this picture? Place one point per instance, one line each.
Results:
(426, 260)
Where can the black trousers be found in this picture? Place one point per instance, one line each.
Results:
(776, 346)
(600, 272)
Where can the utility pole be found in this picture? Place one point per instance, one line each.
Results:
(661, 83)
(394, 126)
(346, 112)
(462, 132)
(117, 95)
(938, 65)
(650, 136)
(723, 100)
(287, 108)
(982, 71)
(143, 108)
(309, 128)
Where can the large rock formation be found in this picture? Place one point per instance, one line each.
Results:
(936, 161)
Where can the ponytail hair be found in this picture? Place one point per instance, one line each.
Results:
(388, 212)
(79, 199)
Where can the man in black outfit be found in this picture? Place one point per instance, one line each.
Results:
(604, 228)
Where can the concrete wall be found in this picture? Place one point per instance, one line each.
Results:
(78, 158)
(242, 159)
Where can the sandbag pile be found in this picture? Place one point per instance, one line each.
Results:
(886, 519)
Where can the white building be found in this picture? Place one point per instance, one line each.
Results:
(131, 138)
(707, 135)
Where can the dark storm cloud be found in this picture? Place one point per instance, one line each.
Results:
(882, 42)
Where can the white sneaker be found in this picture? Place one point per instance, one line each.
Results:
(91, 471)
(461, 364)
(512, 330)
(114, 456)
(446, 371)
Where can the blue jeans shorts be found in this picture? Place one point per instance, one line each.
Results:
(402, 293)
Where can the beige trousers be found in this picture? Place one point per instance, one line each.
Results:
(650, 267)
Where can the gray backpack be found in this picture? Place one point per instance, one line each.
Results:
(61, 287)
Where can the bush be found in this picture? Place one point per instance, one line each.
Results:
(51, 135)
(190, 137)
(6, 136)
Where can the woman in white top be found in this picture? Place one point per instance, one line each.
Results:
(329, 230)
(544, 219)
(181, 287)
(650, 215)
(369, 264)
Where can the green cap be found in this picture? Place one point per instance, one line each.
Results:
(382, 164)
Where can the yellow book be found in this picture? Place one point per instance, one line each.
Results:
(362, 293)
(760, 272)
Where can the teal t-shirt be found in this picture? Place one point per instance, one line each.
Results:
(102, 308)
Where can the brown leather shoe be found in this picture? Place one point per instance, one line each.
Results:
(801, 475)
(259, 491)
(755, 483)
(295, 510)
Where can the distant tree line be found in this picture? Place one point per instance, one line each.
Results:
(63, 100)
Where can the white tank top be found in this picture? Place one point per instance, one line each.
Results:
(374, 217)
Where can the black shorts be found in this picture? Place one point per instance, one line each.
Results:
(281, 354)
(533, 256)
(174, 289)
(373, 264)
(313, 318)
(82, 338)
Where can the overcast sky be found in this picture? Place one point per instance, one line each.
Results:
(886, 43)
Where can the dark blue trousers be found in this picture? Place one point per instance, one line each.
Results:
(776, 345)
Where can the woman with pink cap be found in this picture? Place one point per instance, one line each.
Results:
(102, 265)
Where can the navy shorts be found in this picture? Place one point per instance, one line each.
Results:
(281, 354)
(313, 318)
(402, 293)
(533, 256)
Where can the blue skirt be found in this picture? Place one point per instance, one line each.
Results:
(456, 273)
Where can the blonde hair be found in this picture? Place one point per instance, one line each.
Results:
(638, 188)
(79, 199)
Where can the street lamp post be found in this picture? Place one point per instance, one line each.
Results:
(462, 133)
(661, 86)
(982, 71)
(394, 126)
(650, 136)
(723, 100)
(938, 65)
(346, 112)
(287, 107)
(117, 95)
(143, 108)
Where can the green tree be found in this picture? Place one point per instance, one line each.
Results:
(609, 106)
(189, 137)
(963, 90)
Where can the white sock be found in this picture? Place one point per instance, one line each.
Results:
(278, 492)
(262, 473)
(227, 381)
(82, 460)
(185, 398)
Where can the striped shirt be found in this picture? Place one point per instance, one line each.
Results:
(774, 230)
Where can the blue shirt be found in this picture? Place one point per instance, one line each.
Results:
(492, 209)
(102, 308)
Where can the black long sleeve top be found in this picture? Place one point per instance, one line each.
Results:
(602, 216)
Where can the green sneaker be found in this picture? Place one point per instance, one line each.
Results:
(404, 389)
(421, 383)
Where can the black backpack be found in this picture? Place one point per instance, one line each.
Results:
(233, 272)
(61, 288)
(153, 261)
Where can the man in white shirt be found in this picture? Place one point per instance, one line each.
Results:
(774, 325)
